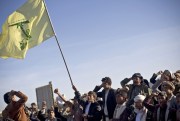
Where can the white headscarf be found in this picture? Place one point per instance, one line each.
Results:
(139, 98)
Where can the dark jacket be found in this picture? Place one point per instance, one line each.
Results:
(42, 117)
(55, 119)
(33, 119)
(58, 114)
(125, 115)
(154, 109)
(139, 89)
(94, 113)
(133, 115)
(111, 100)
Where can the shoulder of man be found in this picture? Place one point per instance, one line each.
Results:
(5, 112)
(112, 90)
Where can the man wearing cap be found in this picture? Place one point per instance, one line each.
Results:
(136, 88)
(121, 112)
(140, 112)
(108, 96)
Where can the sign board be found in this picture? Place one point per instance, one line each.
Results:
(45, 93)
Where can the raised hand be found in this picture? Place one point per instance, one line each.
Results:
(160, 72)
(74, 88)
(56, 91)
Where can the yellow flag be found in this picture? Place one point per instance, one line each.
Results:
(25, 28)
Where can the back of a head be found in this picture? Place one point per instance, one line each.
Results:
(6, 98)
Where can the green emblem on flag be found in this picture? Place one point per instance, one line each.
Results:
(24, 29)
(23, 43)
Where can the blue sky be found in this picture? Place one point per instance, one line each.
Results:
(99, 38)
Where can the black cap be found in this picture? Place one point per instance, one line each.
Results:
(137, 75)
(107, 80)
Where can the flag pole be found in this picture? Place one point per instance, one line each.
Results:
(59, 45)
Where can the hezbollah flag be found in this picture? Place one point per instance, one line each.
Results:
(25, 28)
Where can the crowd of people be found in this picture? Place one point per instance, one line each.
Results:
(157, 99)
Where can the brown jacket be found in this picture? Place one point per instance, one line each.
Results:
(15, 109)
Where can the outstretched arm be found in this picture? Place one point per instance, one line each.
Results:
(56, 91)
